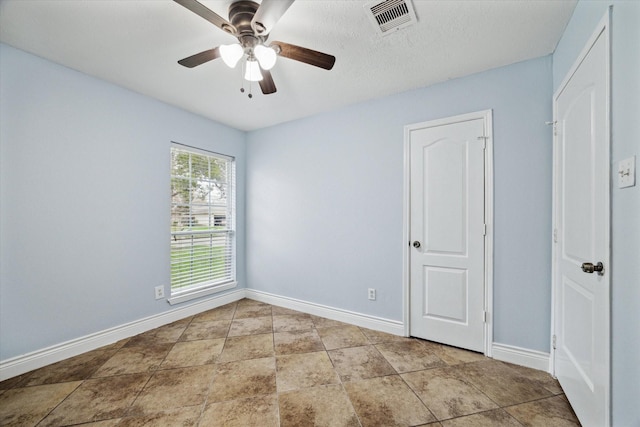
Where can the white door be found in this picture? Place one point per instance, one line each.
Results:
(447, 227)
(581, 182)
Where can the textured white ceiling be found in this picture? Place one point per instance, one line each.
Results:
(136, 44)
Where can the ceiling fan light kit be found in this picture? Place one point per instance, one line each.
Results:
(231, 54)
(266, 56)
(251, 23)
(252, 70)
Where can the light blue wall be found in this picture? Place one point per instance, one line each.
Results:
(325, 206)
(84, 201)
(625, 210)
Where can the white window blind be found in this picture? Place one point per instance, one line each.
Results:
(202, 220)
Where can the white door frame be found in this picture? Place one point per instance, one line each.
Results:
(487, 116)
(604, 28)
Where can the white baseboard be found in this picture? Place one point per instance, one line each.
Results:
(371, 322)
(521, 356)
(22, 364)
(27, 362)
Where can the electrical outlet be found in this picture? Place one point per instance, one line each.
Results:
(159, 292)
(372, 294)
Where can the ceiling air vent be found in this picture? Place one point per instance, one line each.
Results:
(391, 15)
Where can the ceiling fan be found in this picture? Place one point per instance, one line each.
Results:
(251, 24)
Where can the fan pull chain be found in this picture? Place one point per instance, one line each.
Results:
(242, 79)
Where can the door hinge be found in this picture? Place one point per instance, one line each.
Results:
(555, 126)
(555, 235)
(485, 316)
(554, 342)
(484, 141)
(484, 229)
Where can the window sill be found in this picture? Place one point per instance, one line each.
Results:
(198, 293)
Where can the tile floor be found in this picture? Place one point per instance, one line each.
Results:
(253, 364)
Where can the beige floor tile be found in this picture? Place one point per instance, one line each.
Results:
(247, 347)
(540, 377)
(97, 399)
(14, 381)
(387, 401)
(297, 342)
(342, 336)
(554, 411)
(184, 417)
(116, 345)
(106, 423)
(132, 360)
(163, 335)
(445, 394)
(296, 371)
(323, 322)
(357, 363)
(376, 337)
(453, 355)
(501, 383)
(251, 326)
(252, 310)
(409, 355)
(193, 353)
(75, 368)
(27, 406)
(493, 418)
(173, 388)
(322, 406)
(245, 378)
(206, 330)
(257, 411)
(281, 311)
(289, 323)
(225, 312)
(248, 301)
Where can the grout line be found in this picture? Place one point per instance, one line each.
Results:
(59, 403)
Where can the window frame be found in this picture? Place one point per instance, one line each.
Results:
(207, 287)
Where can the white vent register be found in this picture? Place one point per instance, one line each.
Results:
(391, 15)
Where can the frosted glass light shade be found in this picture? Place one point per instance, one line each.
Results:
(266, 56)
(252, 71)
(231, 54)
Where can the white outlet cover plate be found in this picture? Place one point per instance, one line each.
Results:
(159, 292)
(627, 172)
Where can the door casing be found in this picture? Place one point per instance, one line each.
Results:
(487, 116)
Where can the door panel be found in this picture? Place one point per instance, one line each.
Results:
(444, 200)
(578, 170)
(446, 294)
(447, 218)
(581, 182)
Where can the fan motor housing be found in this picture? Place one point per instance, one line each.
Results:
(240, 15)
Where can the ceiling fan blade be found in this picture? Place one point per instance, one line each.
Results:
(200, 58)
(208, 14)
(266, 84)
(308, 56)
(268, 14)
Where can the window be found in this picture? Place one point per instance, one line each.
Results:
(202, 223)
